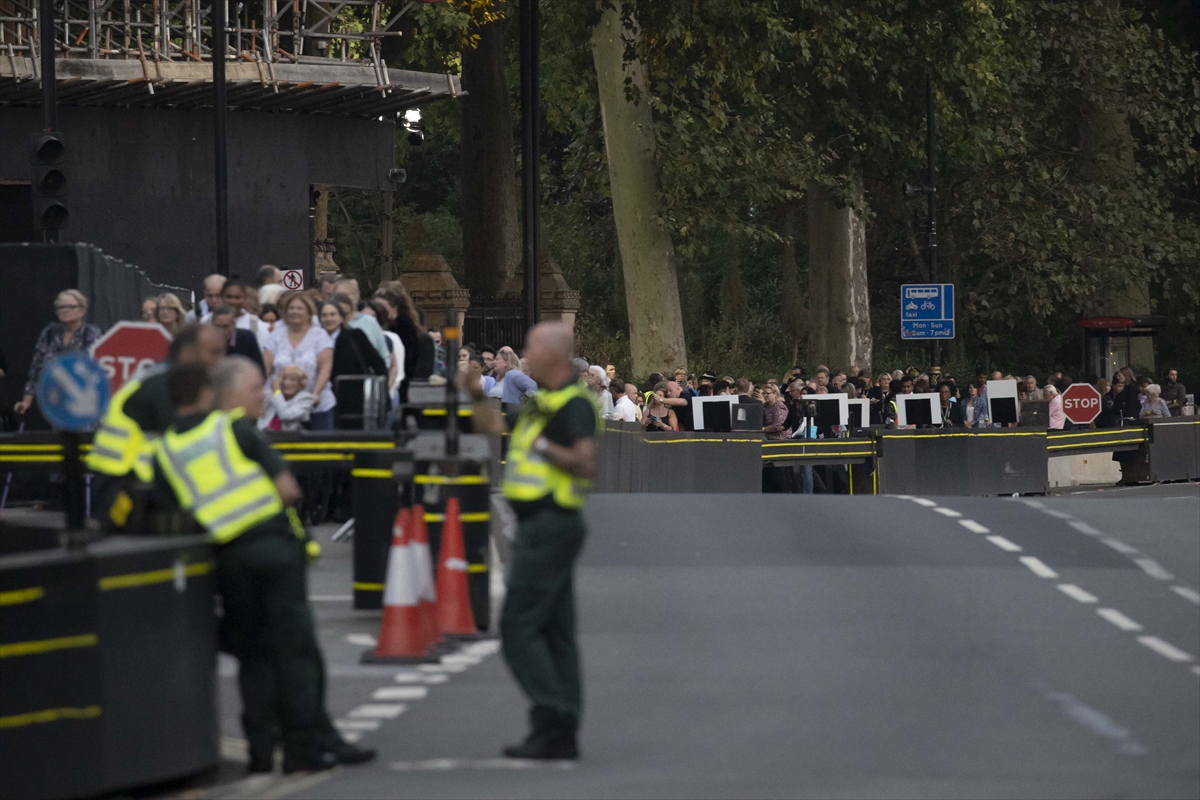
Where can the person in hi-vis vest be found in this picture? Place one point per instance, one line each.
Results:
(551, 459)
(227, 480)
(121, 454)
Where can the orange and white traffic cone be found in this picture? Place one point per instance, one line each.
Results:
(453, 600)
(423, 559)
(403, 637)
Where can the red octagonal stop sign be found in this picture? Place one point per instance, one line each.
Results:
(128, 347)
(1081, 403)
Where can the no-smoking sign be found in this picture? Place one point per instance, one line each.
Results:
(293, 279)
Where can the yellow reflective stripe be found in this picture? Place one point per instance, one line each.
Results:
(954, 435)
(370, 473)
(16, 597)
(49, 715)
(472, 516)
(821, 455)
(39, 646)
(30, 459)
(461, 480)
(477, 568)
(30, 448)
(333, 445)
(441, 412)
(684, 441)
(368, 587)
(1094, 444)
(318, 457)
(1101, 432)
(134, 579)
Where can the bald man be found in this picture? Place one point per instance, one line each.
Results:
(213, 286)
(551, 460)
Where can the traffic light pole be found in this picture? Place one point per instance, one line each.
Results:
(49, 76)
(220, 152)
(935, 366)
(531, 196)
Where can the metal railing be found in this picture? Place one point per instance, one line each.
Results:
(271, 31)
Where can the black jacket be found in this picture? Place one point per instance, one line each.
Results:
(245, 343)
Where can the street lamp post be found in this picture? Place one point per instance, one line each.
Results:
(530, 160)
(930, 192)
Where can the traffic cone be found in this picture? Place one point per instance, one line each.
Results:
(453, 601)
(403, 638)
(423, 559)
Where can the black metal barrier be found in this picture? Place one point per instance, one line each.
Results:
(632, 460)
(376, 498)
(984, 462)
(1174, 449)
(107, 655)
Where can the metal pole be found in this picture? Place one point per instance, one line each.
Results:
(49, 100)
(452, 335)
(935, 367)
(220, 153)
(530, 161)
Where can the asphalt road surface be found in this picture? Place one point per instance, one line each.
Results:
(790, 646)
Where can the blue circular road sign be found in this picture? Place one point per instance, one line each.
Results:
(72, 392)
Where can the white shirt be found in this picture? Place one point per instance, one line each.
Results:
(304, 356)
(624, 410)
(397, 354)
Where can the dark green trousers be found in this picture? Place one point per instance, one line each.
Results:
(537, 626)
(268, 626)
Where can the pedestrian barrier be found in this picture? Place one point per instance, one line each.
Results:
(1174, 449)
(633, 460)
(375, 498)
(107, 654)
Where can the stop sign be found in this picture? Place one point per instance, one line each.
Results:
(128, 347)
(1081, 403)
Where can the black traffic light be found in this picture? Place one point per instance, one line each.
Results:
(49, 183)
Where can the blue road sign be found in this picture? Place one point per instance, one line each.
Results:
(927, 311)
(72, 392)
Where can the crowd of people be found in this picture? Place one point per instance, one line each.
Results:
(305, 342)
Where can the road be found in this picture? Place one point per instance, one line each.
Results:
(820, 646)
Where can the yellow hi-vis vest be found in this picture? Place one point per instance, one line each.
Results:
(527, 475)
(120, 446)
(224, 490)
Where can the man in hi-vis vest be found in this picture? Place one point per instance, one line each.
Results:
(226, 478)
(551, 460)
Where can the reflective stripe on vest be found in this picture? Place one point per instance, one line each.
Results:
(527, 475)
(120, 446)
(224, 490)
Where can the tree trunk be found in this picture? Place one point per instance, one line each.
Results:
(791, 307)
(491, 237)
(647, 255)
(838, 311)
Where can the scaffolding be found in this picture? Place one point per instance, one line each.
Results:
(266, 31)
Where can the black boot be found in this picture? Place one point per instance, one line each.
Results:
(349, 754)
(317, 761)
(553, 737)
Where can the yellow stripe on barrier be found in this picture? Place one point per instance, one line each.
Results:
(816, 443)
(16, 597)
(867, 453)
(1094, 444)
(49, 715)
(135, 579)
(32, 459)
(477, 568)
(461, 480)
(955, 435)
(318, 457)
(1101, 432)
(368, 587)
(30, 448)
(470, 516)
(334, 445)
(365, 472)
(39, 646)
(678, 441)
(441, 412)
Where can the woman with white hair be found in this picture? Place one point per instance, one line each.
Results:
(69, 334)
(597, 380)
(1154, 406)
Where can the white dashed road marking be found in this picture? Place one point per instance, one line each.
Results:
(1038, 567)
(417, 677)
(1004, 544)
(947, 512)
(1196, 670)
(1165, 648)
(330, 598)
(400, 693)
(1119, 546)
(1058, 514)
(1083, 527)
(1075, 593)
(378, 711)
(1117, 618)
(357, 725)
(921, 501)
(361, 639)
(1153, 569)
(1187, 593)
(973, 526)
